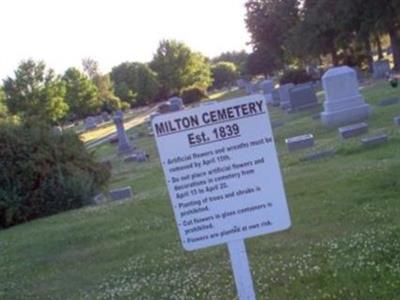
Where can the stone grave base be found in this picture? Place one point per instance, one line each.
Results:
(346, 116)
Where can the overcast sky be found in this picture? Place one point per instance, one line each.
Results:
(62, 32)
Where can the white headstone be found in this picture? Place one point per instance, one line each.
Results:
(343, 102)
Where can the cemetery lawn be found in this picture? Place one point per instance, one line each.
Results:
(344, 242)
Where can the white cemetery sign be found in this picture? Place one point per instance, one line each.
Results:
(223, 177)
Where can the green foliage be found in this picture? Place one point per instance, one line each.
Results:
(135, 83)
(295, 76)
(224, 73)
(178, 67)
(81, 94)
(125, 105)
(35, 93)
(43, 173)
(239, 58)
(192, 95)
(3, 107)
(269, 23)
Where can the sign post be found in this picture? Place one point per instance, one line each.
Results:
(223, 177)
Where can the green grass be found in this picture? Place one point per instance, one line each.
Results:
(344, 242)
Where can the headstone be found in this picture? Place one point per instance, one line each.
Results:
(99, 199)
(99, 119)
(267, 87)
(123, 141)
(343, 101)
(302, 97)
(397, 120)
(106, 116)
(164, 108)
(284, 95)
(275, 97)
(121, 194)
(241, 83)
(176, 103)
(374, 140)
(353, 130)
(249, 88)
(380, 69)
(90, 123)
(390, 101)
(300, 142)
(319, 155)
(138, 156)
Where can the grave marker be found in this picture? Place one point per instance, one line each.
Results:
(300, 142)
(374, 140)
(123, 141)
(353, 130)
(121, 193)
(225, 183)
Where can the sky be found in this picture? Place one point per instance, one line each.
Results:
(62, 32)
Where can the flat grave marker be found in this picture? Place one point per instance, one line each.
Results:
(353, 130)
(374, 140)
(300, 142)
(121, 193)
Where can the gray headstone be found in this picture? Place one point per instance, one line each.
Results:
(176, 103)
(90, 123)
(241, 83)
(353, 130)
(319, 155)
(164, 108)
(99, 119)
(138, 156)
(275, 97)
(123, 141)
(390, 101)
(121, 193)
(106, 116)
(267, 87)
(99, 199)
(381, 69)
(300, 142)
(397, 120)
(250, 89)
(343, 102)
(174, 107)
(302, 97)
(284, 95)
(374, 140)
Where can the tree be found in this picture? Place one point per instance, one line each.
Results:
(82, 95)
(109, 101)
(35, 93)
(178, 67)
(239, 58)
(3, 107)
(269, 23)
(224, 73)
(135, 83)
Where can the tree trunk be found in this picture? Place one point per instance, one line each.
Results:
(379, 47)
(395, 44)
(335, 61)
(370, 59)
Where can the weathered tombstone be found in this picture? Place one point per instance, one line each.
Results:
(99, 119)
(302, 96)
(284, 95)
(90, 123)
(176, 103)
(250, 89)
(374, 140)
(276, 100)
(267, 87)
(123, 141)
(300, 142)
(121, 193)
(390, 101)
(380, 69)
(164, 108)
(397, 120)
(353, 130)
(106, 116)
(241, 83)
(319, 155)
(99, 199)
(343, 101)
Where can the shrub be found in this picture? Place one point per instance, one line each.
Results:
(192, 95)
(295, 76)
(43, 173)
